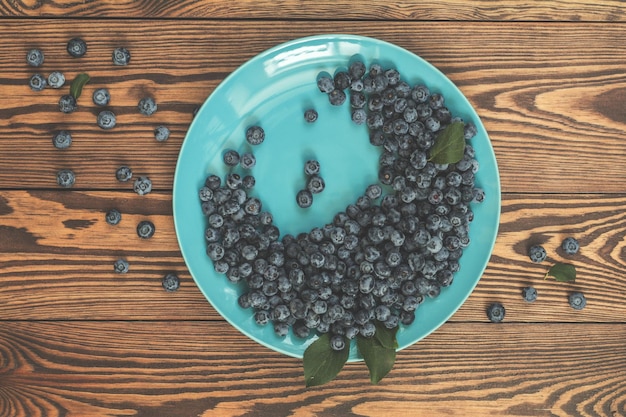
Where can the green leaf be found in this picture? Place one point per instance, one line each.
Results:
(321, 362)
(386, 337)
(76, 88)
(449, 145)
(562, 272)
(379, 352)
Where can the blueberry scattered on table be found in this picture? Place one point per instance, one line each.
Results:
(142, 185)
(35, 57)
(529, 294)
(113, 217)
(121, 266)
(123, 174)
(145, 229)
(106, 119)
(121, 56)
(496, 312)
(577, 300)
(147, 106)
(37, 82)
(67, 104)
(62, 139)
(101, 97)
(56, 79)
(537, 253)
(161, 133)
(570, 246)
(170, 282)
(66, 178)
(76, 47)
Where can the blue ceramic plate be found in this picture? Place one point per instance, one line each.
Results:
(273, 90)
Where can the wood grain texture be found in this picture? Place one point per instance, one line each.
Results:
(207, 369)
(57, 255)
(510, 10)
(551, 96)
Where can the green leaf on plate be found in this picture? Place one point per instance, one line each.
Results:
(321, 362)
(562, 272)
(379, 352)
(76, 88)
(449, 145)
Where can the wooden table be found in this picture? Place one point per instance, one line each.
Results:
(548, 79)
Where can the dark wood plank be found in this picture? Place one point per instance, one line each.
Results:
(207, 368)
(541, 10)
(550, 95)
(57, 255)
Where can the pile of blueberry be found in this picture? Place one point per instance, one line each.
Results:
(375, 263)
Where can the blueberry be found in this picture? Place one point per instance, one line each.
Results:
(37, 82)
(420, 93)
(577, 300)
(368, 330)
(170, 282)
(101, 97)
(374, 191)
(469, 131)
(570, 246)
(529, 294)
(76, 47)
(359, 116)
(145, 229)
(35, 57)
(337, 97)
(255, 135)
(62, 139)
(310, 115)
(248, 182)
(315, 184)
(142, 185)
(56, 79)
(436, 101)
(325, 84)
(113, 217)
(67, 103)
(337, 342)
(147, 106)
(231, 157)
(495, 312)
(312, 167)
(121, 266)
(106, 119)
(123, 174)
(537, 253)
(357, 100)
(304, 198)
(121, 56)
(252, 206)
(356, 69)
(66, 178)
(247, 160)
